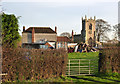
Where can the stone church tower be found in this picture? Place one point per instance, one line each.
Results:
(88, 31)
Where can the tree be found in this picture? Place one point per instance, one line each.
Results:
(65, 34)
(10, 34)
(115, 31)
(102, 28)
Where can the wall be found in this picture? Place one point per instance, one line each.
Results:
(47, 36)
(26, 38)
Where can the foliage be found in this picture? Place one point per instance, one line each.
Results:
(23, 64)
(102, 27)
(10, 29)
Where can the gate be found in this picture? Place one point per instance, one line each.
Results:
(81, 67)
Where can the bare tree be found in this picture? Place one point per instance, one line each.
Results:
(115, 31)
(65, 34)
(102, 28)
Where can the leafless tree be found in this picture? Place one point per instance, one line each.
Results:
(65, 34)
(115, 31)
(102, 28)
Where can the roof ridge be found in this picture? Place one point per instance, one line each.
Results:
(40, 30)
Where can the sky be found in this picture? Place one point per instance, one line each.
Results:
(65, 14)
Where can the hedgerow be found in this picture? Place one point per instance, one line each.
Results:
(33, 64)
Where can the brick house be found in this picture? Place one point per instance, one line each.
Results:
(39, 37)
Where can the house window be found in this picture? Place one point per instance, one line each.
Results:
(44, 46)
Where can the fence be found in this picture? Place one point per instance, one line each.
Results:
(81, 67)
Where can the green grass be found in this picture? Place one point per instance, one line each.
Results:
(75, 79)
(90, 55)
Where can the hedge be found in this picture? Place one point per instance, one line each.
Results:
(35, 64)
(109, 60)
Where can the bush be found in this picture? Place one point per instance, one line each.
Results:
(109, 60)
(23, 64)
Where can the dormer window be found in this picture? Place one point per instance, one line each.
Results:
(90, 26)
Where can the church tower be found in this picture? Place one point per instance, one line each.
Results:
(88, 31)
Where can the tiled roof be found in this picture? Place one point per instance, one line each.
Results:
(63, 39)
(40, 30)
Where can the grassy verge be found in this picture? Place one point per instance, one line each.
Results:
(74, 79)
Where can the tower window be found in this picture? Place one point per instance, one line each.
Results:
(90, 26)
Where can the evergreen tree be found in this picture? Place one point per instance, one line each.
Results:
(10, 28)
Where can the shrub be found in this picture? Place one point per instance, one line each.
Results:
(109, 60)
(23, 64)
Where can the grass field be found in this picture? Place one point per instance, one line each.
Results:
(90, 55)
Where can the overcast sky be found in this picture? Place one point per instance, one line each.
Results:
(65, 14)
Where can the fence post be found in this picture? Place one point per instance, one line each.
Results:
(69, 67)
(89, 66)
(79, 66)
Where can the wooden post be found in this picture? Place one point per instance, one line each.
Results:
(89, 66)
(69, 67)
(79, 66)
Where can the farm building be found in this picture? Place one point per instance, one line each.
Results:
(43, 37)
(39, 37)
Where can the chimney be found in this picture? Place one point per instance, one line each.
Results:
(72, 36)
(23, 28)
(55, 29)
(33, 31)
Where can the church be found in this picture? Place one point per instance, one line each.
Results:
(88, 32)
